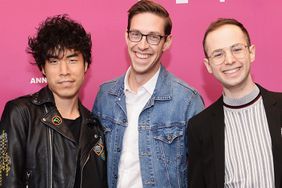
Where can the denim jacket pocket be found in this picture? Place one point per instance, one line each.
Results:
(169, 144)
(169, 148)
(168, 134)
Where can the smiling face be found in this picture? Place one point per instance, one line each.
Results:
(145, 58)
(233, 72)
(65, 74)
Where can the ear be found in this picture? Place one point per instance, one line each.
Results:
(43, 71)
(167, 42)
(126, 37)
(208, 66)
(252, 50)
(85, 66)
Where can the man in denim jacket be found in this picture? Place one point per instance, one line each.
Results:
(145, 111)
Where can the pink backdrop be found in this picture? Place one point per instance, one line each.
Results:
(107, 19)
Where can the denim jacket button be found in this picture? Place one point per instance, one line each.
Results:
(169, 137)
(118, 149)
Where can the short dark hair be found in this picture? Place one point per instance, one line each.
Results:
(221, 22)
(148, 6)
(57, 34)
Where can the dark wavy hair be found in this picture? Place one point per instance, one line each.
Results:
(148, 6)
(57, 34)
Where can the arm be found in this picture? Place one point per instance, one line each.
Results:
(12, 146)
(195, 106)
(195, 168)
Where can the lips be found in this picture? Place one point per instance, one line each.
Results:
(142, 55)
(66, 82)
(231, 71)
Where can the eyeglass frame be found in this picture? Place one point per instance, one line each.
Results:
(246, 47)
(146, 35)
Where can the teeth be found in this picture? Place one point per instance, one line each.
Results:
(231, 71)
(142, 56)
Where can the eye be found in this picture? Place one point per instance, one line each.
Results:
(154, 37)
(53, 61)
(73, 60)
(237, 49)
(134, 34)
(217, 54)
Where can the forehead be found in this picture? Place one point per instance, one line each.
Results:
(61, 53)
(225, 36)
(148, 22)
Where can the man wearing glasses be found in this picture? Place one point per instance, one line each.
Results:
(145, 112)
(236, 142)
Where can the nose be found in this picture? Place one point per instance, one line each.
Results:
(63, 67)
(229, 58)
(143, 44)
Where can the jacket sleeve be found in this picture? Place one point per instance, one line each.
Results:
(96, 109)
(12, 146)
(195, 167)
(195, 105)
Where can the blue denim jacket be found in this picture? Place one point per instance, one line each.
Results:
(162, 129)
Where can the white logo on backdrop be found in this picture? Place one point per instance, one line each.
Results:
(40, 80)
(186, 1)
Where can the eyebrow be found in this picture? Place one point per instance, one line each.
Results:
(151, 32)
(75, 54)
(49, 56)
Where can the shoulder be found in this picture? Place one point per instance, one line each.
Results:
(108, 85)
(89, 119)
(19, 103)
(271, 96)
(84, 111)
(209, 113)
(276, 95)
(17, 113)
(183, 87)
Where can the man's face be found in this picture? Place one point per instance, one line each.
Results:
(65, 74)
(233, 72)
(145, 57)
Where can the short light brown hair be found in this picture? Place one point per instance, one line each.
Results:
(221, 22)
(148, 6)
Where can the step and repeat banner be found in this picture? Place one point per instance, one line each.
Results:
(106, 20)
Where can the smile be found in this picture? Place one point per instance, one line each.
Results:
(230, 71)
(142, 56)
(66, 82)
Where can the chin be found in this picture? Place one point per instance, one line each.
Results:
(67, 95)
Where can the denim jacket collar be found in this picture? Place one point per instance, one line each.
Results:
(159, 94)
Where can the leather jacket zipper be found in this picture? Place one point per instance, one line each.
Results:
(51, 158)
(50, 138)
(28, 175)
(81, 172)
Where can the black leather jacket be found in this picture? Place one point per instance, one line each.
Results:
(37, 150)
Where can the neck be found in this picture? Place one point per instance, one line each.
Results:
(240, 90)
(136, 80)
(68, 108)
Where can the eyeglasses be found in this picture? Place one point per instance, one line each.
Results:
(151, 38)
(238, 51)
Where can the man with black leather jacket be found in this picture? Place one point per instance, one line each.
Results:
(49, 139)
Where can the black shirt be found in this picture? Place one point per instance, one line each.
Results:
(74, 127)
